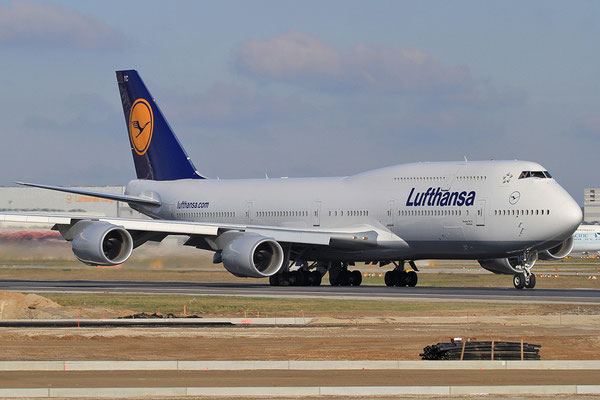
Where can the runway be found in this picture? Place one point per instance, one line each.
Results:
(575, 296)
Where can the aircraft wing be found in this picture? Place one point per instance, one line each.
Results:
(111, 196)
(358, 236)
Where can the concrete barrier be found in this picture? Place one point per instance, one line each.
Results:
(120, 365)
(41, 392)
(292, 365)
(350, 391)
(254, 391)
(382, 390)
(342, 364)
(588, 389)
(154, 321)
(231, 365)
(514, 389)
(32, 365)
(122, 392)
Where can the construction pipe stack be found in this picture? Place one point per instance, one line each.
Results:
(482, 351)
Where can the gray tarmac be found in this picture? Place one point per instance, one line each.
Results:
(469, 294)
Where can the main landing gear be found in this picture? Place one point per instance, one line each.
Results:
(306, 275)
(399, 277)
(339, 275)
(296, 278)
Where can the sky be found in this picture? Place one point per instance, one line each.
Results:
(301, 88)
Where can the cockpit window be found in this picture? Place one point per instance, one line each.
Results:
(535, 174)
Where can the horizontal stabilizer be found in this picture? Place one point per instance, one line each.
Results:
(111, 196)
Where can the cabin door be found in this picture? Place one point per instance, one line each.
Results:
(390, 212)
(480, 218)
(316, 213)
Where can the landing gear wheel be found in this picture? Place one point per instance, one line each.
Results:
(519, 281)
(412, 278)
(389, 278)
(315, 278)
(531, 283)
(355, 278)
(301, 278)
(401, 278)
(334, 281)
(345, 277)
(274, 280)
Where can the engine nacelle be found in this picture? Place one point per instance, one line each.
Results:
(250, 255)
(100, 243)
(558, 252)
(501, 265)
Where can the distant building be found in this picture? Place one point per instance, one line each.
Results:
(591, 205)
(34, 200)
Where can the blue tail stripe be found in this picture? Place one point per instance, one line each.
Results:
(157, 153)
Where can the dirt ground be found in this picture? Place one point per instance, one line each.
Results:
(574, 335)
(31, 306)
(391, 340)
(286, 378)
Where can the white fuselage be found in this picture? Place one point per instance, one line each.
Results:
(586, 239)
(462, 210)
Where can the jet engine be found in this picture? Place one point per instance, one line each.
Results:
(100, 243)
(249, 255)
(501, 265)
(557, 252)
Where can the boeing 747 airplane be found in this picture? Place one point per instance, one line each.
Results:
(505, 214)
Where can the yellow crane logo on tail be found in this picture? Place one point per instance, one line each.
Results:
(141, 125)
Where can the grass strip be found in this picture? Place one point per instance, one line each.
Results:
(224, 306)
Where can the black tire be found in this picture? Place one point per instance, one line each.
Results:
(345, 278)
(389, 278)
(274, 280)
(531, 283)
(334, 281)
(284, 279)
(356, 277)
(301, 278)
(412, 278)
(401, 278)
(519, 281)
(315, 278)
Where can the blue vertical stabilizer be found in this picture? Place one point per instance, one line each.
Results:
(157, 154)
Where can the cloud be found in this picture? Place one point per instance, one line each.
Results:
(27, 23)
(230, 105)
(304, 59)
(301, 59)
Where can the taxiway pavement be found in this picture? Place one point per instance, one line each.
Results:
(574, 296)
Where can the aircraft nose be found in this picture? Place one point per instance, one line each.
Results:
(570, 216)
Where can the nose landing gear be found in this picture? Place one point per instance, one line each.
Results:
(525, 279)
